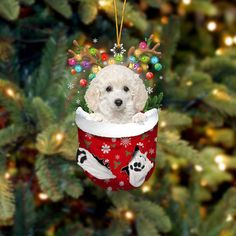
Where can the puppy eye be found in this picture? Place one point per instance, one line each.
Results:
(126, 89)
(109, 89)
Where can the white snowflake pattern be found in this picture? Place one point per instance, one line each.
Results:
(89, 136)
(70, 85)
(118, 50)
(149, 90)
(151, 151)
(107, 160)
(121, 183)
(78, 101)
(140, 144)
(125, 142)
(117, 157)
(95, 40)
(113, 140)
(105, 148)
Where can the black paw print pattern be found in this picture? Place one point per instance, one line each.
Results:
(137, 166)
(81, 156)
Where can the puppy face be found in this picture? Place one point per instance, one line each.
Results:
(116, 90)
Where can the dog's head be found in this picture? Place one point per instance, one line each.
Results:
(115, 89)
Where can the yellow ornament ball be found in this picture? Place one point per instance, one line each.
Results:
(95, 69)
(137, 52)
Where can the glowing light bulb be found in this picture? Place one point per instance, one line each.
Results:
(219, 51)
(163, 124)
(186, 2)
(229, 218)
(219, 159)
(211, 25)
(222, 166)
(129, 215)
(43, 196)
(7, 175)
(10, 92)
(228, 41)
(189, 83)
(146, 188)
(198, 168)
(59, 137)
(175, 166)
(215, 91)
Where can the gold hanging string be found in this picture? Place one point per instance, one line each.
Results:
(119, 31)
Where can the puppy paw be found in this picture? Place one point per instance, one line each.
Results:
(95, 117)
(139, 117)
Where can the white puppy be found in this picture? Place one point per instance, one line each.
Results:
(116, 95)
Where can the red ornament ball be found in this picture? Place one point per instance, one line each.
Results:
(149, 75)
(73, 71)
(104, 56)
(83, 82)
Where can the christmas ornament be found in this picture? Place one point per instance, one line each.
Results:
(116, 156)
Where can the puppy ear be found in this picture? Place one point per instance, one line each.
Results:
(92, 96)
(140, 94)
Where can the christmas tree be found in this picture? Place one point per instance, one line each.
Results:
(193, 189)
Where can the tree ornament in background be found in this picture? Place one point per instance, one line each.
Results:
(78, 68)
(104, 56)
(83, 82)
(149, 75)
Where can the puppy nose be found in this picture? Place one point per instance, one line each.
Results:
(118, 102)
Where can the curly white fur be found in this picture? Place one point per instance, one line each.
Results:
(110, 85)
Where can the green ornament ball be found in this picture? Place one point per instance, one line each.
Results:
(158, 66)
(92, 76)
(93, 51)
(145, 59)
(119, 58)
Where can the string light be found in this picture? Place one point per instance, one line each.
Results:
(7, 175)
(219, 159)
(43, 196)
(129, 215)
(189, 83)
(211, 26)
(228, 40)
(59, 137)
(219, 51)
(163, 124)
(175, 166)
(229, 218)
(204, 183)
(198, 168)
(220, 94)
(10, 92)
(222, 166)
(186, 2)
(146, 188)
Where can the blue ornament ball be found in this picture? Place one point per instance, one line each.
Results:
(78, 68)
(154, 60)
(133, 59)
